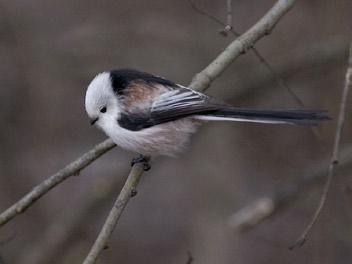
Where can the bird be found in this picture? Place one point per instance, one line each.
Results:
(152, 116)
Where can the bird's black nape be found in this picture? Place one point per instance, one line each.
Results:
(120, 79)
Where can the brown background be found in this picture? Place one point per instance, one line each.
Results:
(49, 52)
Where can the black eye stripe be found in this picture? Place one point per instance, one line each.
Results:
(103, 110)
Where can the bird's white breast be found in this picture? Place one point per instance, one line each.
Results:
(164, 139)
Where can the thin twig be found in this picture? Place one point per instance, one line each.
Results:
(335, 154)
(228, 25)
(71, 169)
(201, 82)
(278, 79)
(210, 16)
(333, 50)
(126, 193)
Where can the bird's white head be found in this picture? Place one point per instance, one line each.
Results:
(101, 102)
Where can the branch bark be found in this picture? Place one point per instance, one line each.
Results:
(126, 193)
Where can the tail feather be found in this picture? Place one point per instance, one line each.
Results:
(297, 117)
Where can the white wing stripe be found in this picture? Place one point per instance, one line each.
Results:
(178, 99)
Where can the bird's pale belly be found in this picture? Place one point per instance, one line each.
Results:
(164, 139)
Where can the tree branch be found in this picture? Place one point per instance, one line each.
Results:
(126, 193)
(71, 169)
(201, 82)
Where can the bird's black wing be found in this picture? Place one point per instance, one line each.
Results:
(181, 103)
(169, 106)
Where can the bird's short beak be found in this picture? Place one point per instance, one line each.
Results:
(92, 121)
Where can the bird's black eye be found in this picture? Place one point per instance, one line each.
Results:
(103, 110)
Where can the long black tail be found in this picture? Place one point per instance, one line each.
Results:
(298, 117)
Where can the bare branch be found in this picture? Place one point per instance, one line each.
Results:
(71, 169)
(126, 193)
(335, 154)
(210, 16)
(201, 82)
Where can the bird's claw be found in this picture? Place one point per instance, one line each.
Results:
(142, 159)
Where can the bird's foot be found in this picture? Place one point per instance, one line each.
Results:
(142, 159)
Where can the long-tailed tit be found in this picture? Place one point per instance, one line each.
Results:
(152, 116)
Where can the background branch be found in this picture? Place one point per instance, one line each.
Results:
(256, 212)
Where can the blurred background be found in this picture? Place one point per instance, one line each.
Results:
(50, 51)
